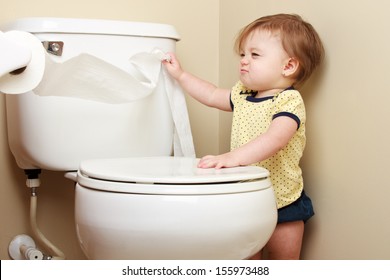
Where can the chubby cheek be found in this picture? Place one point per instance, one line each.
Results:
(249, 82)
(244, 78)
(251, 78)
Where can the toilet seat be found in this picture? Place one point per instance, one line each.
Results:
(168, 175)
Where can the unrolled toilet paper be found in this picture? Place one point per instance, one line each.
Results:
(149, 66)
(91, 78)
(88, 77)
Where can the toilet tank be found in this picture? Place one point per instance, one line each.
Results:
(57, 133)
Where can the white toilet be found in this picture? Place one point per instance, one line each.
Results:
(133, 199)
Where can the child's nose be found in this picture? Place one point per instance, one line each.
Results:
(244, 61)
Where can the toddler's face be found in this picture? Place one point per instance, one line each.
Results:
(262, 61)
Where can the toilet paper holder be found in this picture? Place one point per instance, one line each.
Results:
(53, 47)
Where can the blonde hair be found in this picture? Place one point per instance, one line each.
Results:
(299, 39)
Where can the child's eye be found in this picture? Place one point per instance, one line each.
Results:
(255, 55)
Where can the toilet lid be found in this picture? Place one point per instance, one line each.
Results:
(168, 175)
(92, 26)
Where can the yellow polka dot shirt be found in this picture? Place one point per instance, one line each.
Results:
(252, 116)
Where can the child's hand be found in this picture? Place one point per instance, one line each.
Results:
(173, 66)
(220, 161)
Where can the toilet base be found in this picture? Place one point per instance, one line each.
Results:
(163, 227)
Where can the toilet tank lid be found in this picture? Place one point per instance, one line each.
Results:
(166, 170)
(92, 26)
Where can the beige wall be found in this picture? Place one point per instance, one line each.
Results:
(346, 160)
(346, 156)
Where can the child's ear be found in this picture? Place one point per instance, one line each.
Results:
(291, 67)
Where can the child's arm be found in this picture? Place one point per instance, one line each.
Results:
(199, 89)
(281, 130)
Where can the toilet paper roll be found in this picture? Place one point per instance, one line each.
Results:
(32, 75)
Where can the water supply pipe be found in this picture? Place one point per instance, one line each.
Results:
(33, 182)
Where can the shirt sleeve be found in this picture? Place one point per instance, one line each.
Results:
(290, 103)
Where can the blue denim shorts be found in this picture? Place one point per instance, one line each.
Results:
(299, 210)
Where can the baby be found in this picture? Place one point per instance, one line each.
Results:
(278, 54)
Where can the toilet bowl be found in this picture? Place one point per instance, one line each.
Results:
(133, 199)
(166, 208)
